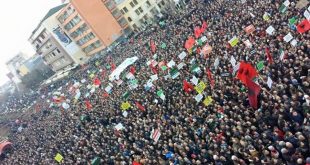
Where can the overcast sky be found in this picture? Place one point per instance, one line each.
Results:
(19, 19)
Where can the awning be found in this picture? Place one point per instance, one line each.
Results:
(4, 146)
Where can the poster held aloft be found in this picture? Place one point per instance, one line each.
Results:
(288, 37)
(270, 30)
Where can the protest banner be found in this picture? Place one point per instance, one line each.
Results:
(206, 49)
(249, 29)
(208, 101)
(155, 135)
(198, 97)
(200, 87)
(160, 93)
(125, 106)
(58, 158)
(234, 41)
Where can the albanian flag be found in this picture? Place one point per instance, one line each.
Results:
(97, 81)
(246, 71)
(153, 46)
(140, 106)
(269, 57)
(187, 87)
(189, 43)
(197, 31)
(113, 67)
(204, 27)
(253, 92)
(88, 105)
(132, 70)
(304, 26)
(210, 77)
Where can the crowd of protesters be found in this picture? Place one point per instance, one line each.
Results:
(228, 131)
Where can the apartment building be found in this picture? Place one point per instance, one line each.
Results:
(139, 13)
(94, 25)
(52, 43)
(13, 66)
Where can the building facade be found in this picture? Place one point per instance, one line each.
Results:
(13, 66)
(93, 25)
(139, 13)
(52, 43)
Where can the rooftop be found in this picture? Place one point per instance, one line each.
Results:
(49, 13)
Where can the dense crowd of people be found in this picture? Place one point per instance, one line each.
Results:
(227, 131)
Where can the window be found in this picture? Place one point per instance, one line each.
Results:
(92, 46)
(39, 41)
(139, 11)
(79, 31)
(148, 3)
(135, 26)
(154, 11)
(145, 17)
(135, 2)
(58, 51)
(97, 44)
(72, 23)
(132, 5)
(129, 19)
(116, 14)
(85, 39)
(53, 54)
(122, 22)
(141, 21)
(125, 9)
(110, 4)
(42, 36)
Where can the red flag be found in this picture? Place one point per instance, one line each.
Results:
(37, 108)
(197, 31)
(113, 66)
(105, 94)
(189, 43)
(132, 69)
(253, 92)
(140, 106)
(103, 73)
(269, 57)
(154, 70)
(88, 105)
(204, 27)
(136, 163)
(187, 86)
(210, 77)
(303, 26)
(246, 71)
(153, 46)
(97, 81)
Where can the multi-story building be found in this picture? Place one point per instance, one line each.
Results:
(34, 71)
(13, 65)
(53, 44)
(93, 25)
(139, 13)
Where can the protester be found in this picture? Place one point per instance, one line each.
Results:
(243, 121)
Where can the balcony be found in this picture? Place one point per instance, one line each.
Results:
(39, 46)
(47, 51)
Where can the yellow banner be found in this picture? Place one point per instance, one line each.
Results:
(234, 41)
(200, 87)
(58, 157)
(125, 105)
(207, 101)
